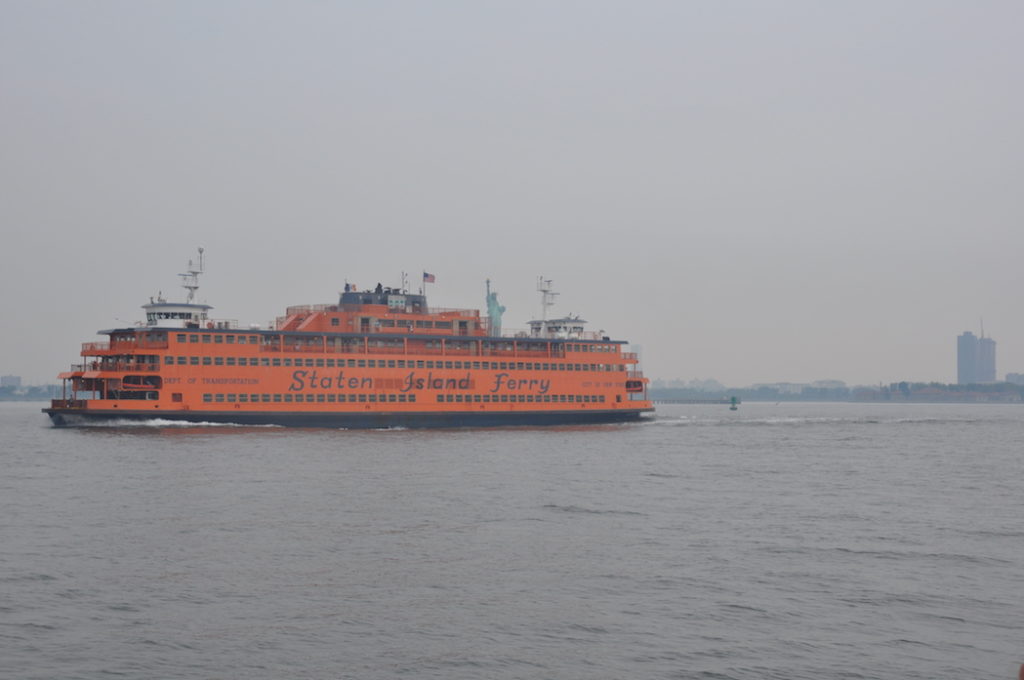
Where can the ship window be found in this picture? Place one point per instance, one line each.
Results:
(181, 337)
(309, 362)
(331, 397)
(420, 364)
(253, 339)
(243, 397)
(320, 362)
(321, 397)
(193, 338)
(503, 365)
(362, 397)
(182, 361)
(242, 339)
(412, 397)
(391, 363)
(218, 339)
(168, 359)
(219, 397)
(207, 361)
(207, 397)
(193, 361)
(361, 363)
(287, 362)
(288, 398)
(231, 361)
(277, 397)
(476, 397)
(218, 361)
(373, 397)
(232, 397)
(440, 397)
(330, 363)
(442, 324)
(401, 397)
(276, 362)
(230, 339)
(424, 324)
(206, 339)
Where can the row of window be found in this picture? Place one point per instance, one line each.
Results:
(406, 323)
(334, 397)
(521, 398)
(218, 338)
(329, 397)
(230, 339)
(389, 363)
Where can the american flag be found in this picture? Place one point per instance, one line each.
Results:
(428, 278)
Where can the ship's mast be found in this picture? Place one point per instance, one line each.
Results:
(190, 280)
(547, 296)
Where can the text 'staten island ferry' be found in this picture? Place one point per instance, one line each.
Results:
(377, 358)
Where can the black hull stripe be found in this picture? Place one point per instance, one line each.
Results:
(73, 417)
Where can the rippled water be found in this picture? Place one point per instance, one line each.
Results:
(779, 541)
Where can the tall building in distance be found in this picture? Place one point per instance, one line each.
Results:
(975, 359)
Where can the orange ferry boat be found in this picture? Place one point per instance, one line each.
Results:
(378, 358)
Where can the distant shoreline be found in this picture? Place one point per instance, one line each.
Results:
(894, 393)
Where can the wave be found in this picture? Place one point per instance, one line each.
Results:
(789, 421)
(589, 511)
(163, 423)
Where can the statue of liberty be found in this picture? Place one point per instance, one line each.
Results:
(494, 310)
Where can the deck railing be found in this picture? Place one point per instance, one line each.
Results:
(117, 366)
(67, 403)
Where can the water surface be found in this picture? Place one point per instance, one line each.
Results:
(778, 541)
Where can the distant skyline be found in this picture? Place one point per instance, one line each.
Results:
(752, 192)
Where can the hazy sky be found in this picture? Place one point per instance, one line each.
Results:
(752, 191)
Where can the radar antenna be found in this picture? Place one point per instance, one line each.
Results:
(547, 296)
(190, 281)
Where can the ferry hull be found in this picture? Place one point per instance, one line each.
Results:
(371, 420)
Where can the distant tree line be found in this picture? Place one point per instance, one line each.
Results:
(895, 392)
(32, 393)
